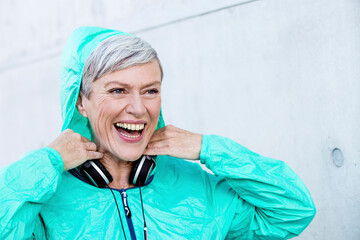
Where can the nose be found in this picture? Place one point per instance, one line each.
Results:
(135, 106)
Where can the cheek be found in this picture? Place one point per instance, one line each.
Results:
(107, 110)
(153, 109)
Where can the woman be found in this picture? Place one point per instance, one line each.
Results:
(111, 97)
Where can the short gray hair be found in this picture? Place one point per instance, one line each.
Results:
(115, 53)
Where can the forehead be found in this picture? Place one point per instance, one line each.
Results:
(137, 75)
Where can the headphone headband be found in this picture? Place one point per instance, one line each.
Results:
(95, 171)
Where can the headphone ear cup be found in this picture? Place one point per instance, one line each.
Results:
(96, 173)
(141, 170)
(133, 171)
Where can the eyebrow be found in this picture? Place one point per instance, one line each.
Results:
(127, 85)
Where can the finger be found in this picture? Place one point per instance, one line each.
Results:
(159, 131)
(160, 148)
(90, 146)
(84, 139)
(68, 131)
(94, 155)
(159, 136)
(155, 151)
(157, 144)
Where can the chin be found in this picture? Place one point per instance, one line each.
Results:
(130, 157)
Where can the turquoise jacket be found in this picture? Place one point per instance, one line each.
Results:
(248, 197)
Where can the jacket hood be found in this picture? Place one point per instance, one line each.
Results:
(77, 49)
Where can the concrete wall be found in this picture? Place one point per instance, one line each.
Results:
(280, 77)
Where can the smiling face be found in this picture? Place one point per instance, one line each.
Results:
(123, 109)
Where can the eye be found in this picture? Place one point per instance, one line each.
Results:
(117, 91)
(152, 91)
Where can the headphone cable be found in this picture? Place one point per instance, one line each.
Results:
(142, 207)
(122, 226)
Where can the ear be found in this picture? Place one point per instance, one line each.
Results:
(80, 104)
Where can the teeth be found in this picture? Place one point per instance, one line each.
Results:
(129, 126)
(130, 136)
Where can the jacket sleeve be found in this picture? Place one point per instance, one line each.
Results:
(24, 186)
(273, 203)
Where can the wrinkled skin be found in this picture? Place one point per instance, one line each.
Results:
(131, 94)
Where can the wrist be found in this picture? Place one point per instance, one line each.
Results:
(55, 159)
(204, 153)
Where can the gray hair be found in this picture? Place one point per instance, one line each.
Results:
(115, 53)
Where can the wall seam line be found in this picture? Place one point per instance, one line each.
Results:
(52, 55)
(192, 17)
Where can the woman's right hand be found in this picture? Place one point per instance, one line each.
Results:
(74, 149)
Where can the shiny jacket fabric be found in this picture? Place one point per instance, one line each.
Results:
(248, 197)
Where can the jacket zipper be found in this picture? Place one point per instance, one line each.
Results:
(126, 207)
(128, 214)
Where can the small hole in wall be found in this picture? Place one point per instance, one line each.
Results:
(338, 157)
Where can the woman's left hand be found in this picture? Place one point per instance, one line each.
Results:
(175, 142)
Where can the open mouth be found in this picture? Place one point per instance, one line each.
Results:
(130, 130)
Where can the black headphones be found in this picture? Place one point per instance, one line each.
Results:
(94, 171)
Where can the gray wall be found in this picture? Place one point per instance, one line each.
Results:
(280, 77)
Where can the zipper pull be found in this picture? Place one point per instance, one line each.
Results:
(126, 207)
(145, 233)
